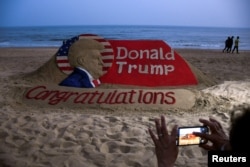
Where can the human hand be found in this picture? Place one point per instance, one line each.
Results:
(219, 139)
(165, 145)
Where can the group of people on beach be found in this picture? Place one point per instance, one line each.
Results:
(229, 44)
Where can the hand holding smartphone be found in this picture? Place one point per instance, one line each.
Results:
(186, 137)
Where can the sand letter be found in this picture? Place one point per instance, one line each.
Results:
(170, 55)
(104, 98)
(119, 54)
(28, 94)
(121, 98)
(148, 97)
(131, 67)
(81, 98)
(120, 66)
(157, 96)
(171, 99)
(155, 54)
(133, 54)
(60, 96)
(131, 96)
(93, 95)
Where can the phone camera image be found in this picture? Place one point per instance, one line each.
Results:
(186, 136)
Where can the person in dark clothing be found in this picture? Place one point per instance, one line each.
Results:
(230, 44)
(226, 44)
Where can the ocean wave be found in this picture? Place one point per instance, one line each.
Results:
(177, 37)
(4, 43)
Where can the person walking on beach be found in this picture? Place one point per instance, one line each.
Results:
(230, 44)
(227, 41)
(236, 44)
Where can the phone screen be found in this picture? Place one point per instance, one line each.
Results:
(186, 136)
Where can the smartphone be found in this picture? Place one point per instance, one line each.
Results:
(186, 137)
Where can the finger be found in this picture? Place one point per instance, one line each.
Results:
(174, 134)
(216, 122)
(153, 137)
(174, 131)
(158, 127)
(213, 120)
(208, 123)
(164, 130)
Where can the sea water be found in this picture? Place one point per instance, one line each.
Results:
(175, 36)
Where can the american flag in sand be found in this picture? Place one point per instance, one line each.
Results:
(62, 54)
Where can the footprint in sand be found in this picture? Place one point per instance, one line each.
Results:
(114, 147)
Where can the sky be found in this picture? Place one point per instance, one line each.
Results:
(211, 13)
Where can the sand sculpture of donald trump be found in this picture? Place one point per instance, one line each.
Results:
(84, 62)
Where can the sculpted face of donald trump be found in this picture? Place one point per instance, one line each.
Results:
(85, 57)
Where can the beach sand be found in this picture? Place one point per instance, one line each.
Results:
(33, 136)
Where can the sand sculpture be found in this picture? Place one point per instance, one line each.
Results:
(58, 83)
